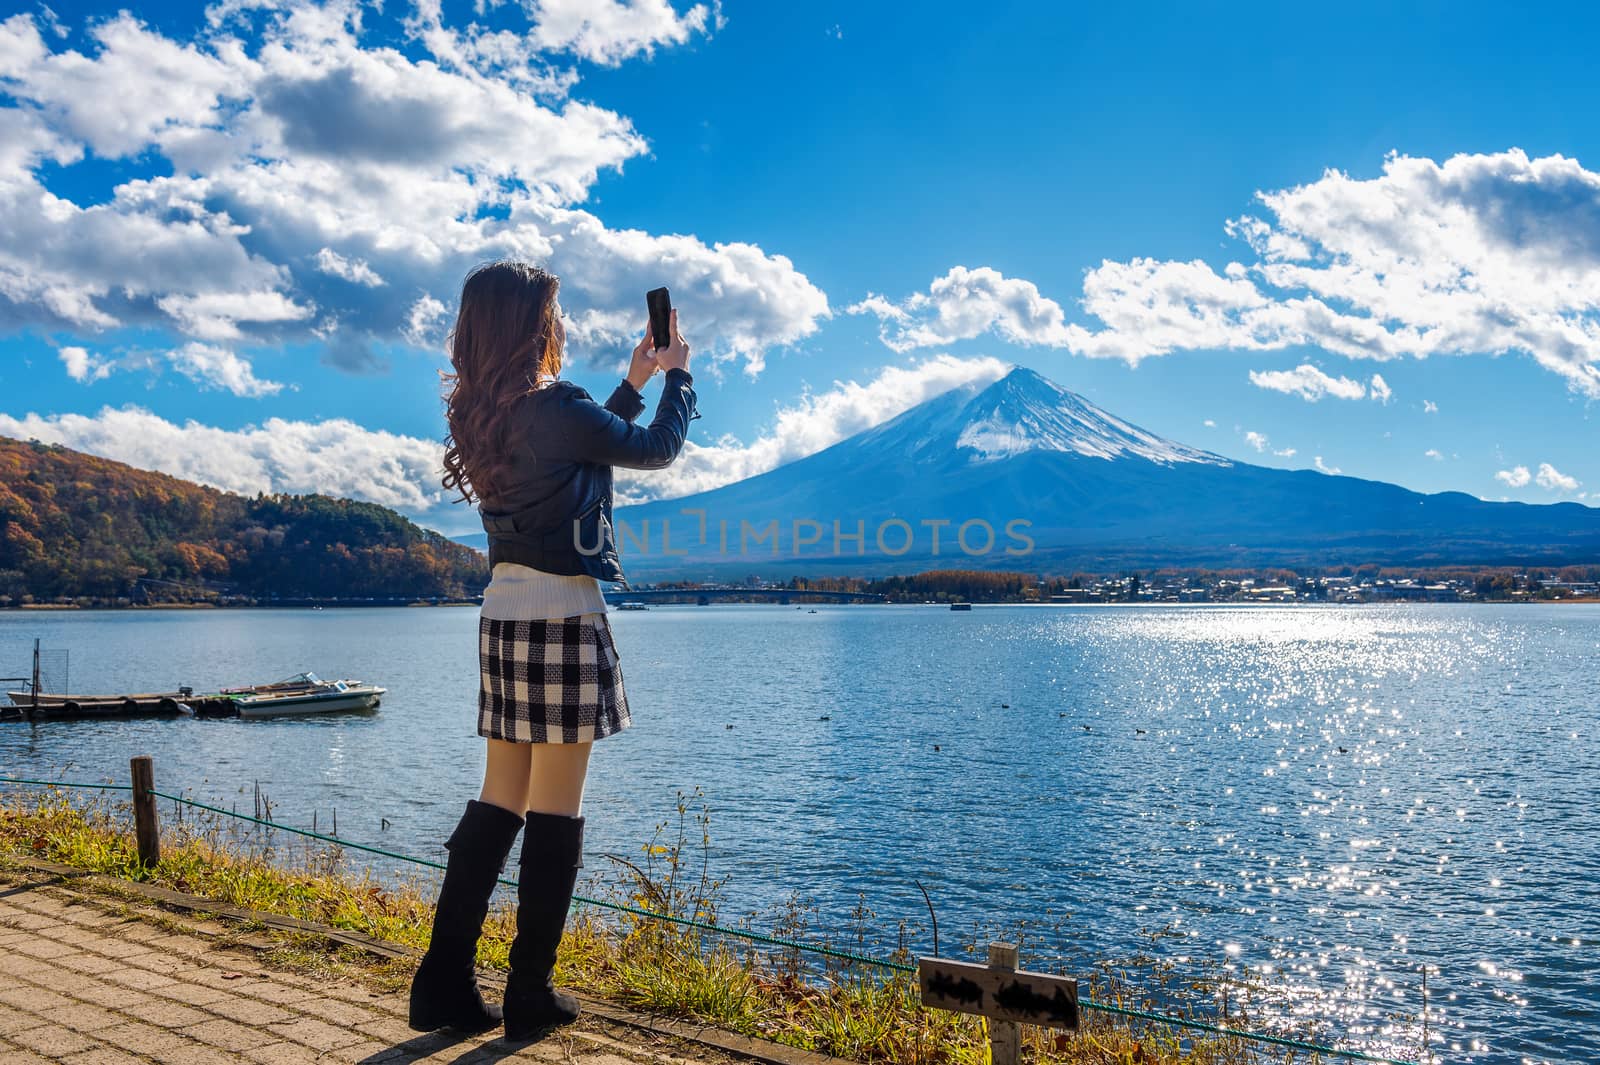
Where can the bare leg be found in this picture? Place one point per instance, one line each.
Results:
(556, 774)
(505, 777)
(547, 778)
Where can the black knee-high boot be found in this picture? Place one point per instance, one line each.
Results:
(552, 854)
(444, 993)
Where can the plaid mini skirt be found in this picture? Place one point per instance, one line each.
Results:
(555, 681)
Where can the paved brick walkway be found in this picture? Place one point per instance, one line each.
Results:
(86, 979)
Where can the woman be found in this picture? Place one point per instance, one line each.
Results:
(535, 452)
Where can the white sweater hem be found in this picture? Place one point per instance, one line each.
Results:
(521, 593)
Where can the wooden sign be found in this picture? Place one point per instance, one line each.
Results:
(999, 993)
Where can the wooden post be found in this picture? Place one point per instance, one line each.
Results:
(146, 826)
(1005, 997)
(1005, 1037)
(33, 710)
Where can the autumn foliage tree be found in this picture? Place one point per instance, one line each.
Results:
(74, 525)
(961, 584)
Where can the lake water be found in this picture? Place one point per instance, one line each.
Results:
(1336, 796)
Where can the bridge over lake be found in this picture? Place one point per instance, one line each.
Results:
(704, 596)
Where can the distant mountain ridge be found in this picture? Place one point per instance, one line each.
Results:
(76, 525)
(1091, 491)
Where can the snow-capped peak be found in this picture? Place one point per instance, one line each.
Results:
(1024, 411)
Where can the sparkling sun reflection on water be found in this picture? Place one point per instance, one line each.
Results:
(1368, 791)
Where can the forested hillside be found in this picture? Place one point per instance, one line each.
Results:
(74, 525)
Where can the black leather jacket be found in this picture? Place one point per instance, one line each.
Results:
(556, 516)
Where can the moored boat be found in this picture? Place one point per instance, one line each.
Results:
(304, 693)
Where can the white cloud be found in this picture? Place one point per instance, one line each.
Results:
(1325, 468)
(355, 271)
(142, 87)
(1256, 440)
(1430, 407)
(1286, 453)
(882, 307)
(1209, 423)
(1309, 383)
(609, 31)
(214, 367)
(1516, 477)
(1434, 454)
(1479, 254)
(1380, 389)
(82, 366)
(965, 303)
(336, 457)
(315, 171)
(219, 315)
(734, 300)
(208, 365)
(817, 420)
(426, 320)
(1554, 480)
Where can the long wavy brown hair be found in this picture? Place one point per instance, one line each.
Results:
(508, 331)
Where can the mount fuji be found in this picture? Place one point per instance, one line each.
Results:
(1024, 474)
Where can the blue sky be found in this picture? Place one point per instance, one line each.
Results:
(234, 234)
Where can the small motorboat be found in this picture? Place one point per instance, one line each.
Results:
(632, 604)
(304, 693)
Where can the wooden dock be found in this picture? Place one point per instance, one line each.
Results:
(48, 707)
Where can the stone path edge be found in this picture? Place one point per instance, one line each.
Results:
(747, 1047)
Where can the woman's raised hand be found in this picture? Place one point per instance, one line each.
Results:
(675, 356)
(644, 364)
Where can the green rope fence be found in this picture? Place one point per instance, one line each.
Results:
(686, 921)
(66, 784)
(745, 934)
(1258, 1037)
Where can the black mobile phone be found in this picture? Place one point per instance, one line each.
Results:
(660, 304)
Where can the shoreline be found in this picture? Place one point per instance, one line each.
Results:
(39, 608)
(316, 604)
